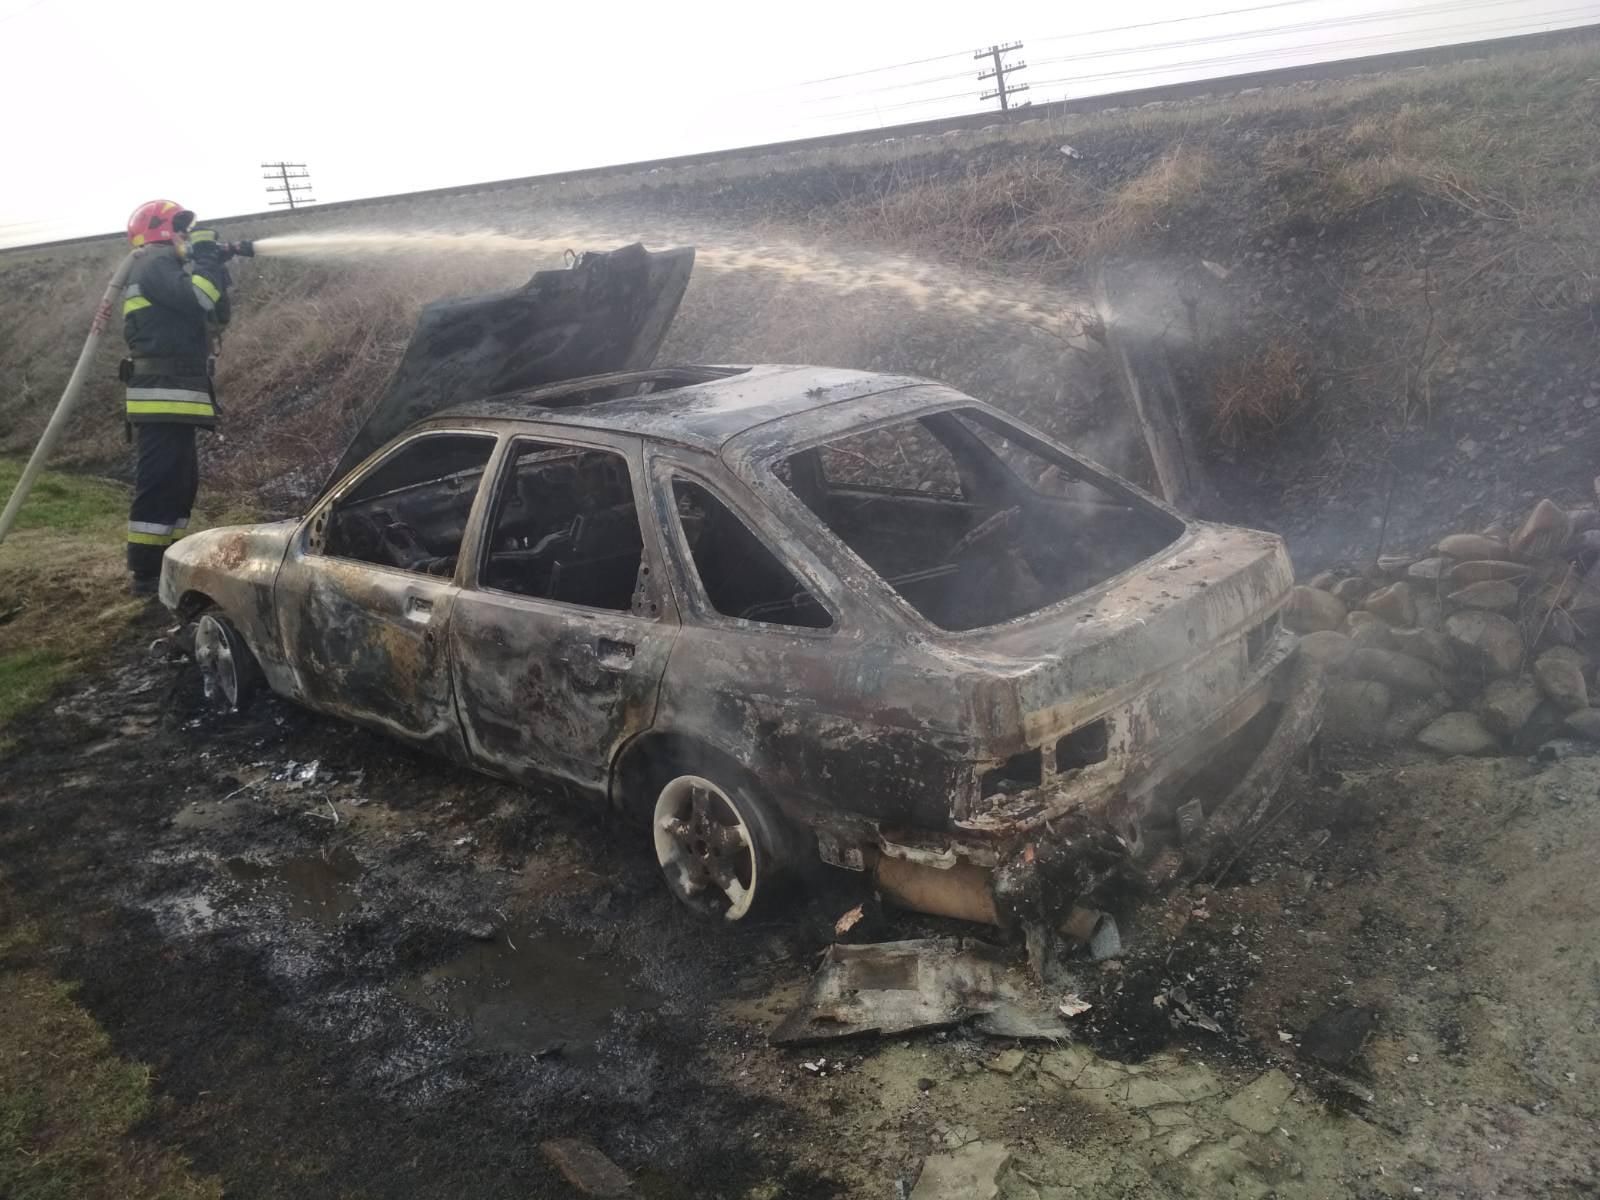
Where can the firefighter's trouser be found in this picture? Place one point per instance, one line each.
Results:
(165, 481)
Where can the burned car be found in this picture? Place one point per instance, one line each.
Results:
(775, 612)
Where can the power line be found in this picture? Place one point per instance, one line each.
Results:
(1208, 16)
(1232, 60)
(915, 62)
(1272, 31)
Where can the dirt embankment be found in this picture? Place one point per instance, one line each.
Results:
(1379, 292)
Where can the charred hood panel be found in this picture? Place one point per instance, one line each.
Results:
(609, 312)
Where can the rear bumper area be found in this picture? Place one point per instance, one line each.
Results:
(1199, 797)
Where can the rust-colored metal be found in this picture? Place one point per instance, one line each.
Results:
(962, 891)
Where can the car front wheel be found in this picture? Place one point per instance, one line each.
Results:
(228, 671)
(718, 847)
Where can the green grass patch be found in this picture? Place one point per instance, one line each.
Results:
(69, 503)
(26, 678)
(68, 1103)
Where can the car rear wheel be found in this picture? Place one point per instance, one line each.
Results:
(229, 673)
(719, 848)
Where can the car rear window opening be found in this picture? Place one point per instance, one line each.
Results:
(968, 520)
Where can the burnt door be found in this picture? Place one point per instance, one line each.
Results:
(365, 593)
(559, 640)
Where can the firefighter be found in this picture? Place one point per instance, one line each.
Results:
(172, 308)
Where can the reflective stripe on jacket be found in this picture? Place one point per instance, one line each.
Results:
(167, 314)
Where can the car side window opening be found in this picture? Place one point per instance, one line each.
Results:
(411, 511)
(968, 520)
(742, 578)
(565, 527)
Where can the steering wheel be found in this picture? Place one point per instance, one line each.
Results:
(985, 531)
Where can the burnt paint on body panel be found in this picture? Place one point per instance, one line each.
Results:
(552, 690)
(235, 568)
(360, 648)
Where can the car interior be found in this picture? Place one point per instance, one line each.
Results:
(968, 522)
(411, 512)
(565, 528)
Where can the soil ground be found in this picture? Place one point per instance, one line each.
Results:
(355, 971)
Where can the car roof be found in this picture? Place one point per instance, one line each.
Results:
(699, 407)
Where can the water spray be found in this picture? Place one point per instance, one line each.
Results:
(69, 397)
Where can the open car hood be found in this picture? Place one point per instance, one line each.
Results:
(610, 311)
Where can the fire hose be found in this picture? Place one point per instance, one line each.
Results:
(69, 397)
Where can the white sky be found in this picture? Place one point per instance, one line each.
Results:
(106, 108)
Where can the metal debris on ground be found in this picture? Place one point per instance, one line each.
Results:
(849, 921)
(1074, 1005)
(585, 1168)
(896, 987)
(1182, 1011)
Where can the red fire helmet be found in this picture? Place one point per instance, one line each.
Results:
(157, 221)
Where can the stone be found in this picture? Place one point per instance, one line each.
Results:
(1469, 546)
(1327, 648)
(1323, 580)
(1544, 533)
(1355, 709)
(1464, 573)
(1399, 671)
(1006, 1062)
(1256, 1108)
(1145, 1092)
(1561, 679)
(1581, 521)
(1486, 640)
(1394, 564)
(1352, 590)
(1429, 645)
(585, 1168)
(1427, 569)
(1394, 604)
(1064, 1066)
(1408, 719)
(1573, 655)
(1585, 723)
(1458, 733)
(1308, 610)
(1181, 1142)
(1367, 629)
(1430, 613)
(1507, 704)
(1494, 594)
(970, 1173)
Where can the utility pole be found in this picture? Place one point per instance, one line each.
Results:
(294, 194)
(1002, 89)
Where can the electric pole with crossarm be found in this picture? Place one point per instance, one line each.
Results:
(1003, 90)
(294, 194)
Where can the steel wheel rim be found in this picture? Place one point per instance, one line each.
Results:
(213, 651)
(706, 848)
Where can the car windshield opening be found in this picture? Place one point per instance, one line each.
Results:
(971, 520)
(411, 510)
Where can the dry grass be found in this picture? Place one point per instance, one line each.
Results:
(1253, 397)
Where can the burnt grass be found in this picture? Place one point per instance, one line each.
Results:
(282, 1060)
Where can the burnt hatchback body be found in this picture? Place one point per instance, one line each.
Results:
(782, 613)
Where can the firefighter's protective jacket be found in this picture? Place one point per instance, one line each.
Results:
(168, 314)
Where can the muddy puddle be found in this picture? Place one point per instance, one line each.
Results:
(319, 887)
(532, 989)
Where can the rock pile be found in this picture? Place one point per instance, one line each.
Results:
(1484, 645)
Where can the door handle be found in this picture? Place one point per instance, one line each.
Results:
(419, 608)
(614, 654)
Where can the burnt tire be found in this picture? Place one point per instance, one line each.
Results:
(230, 677)
(723, 850)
